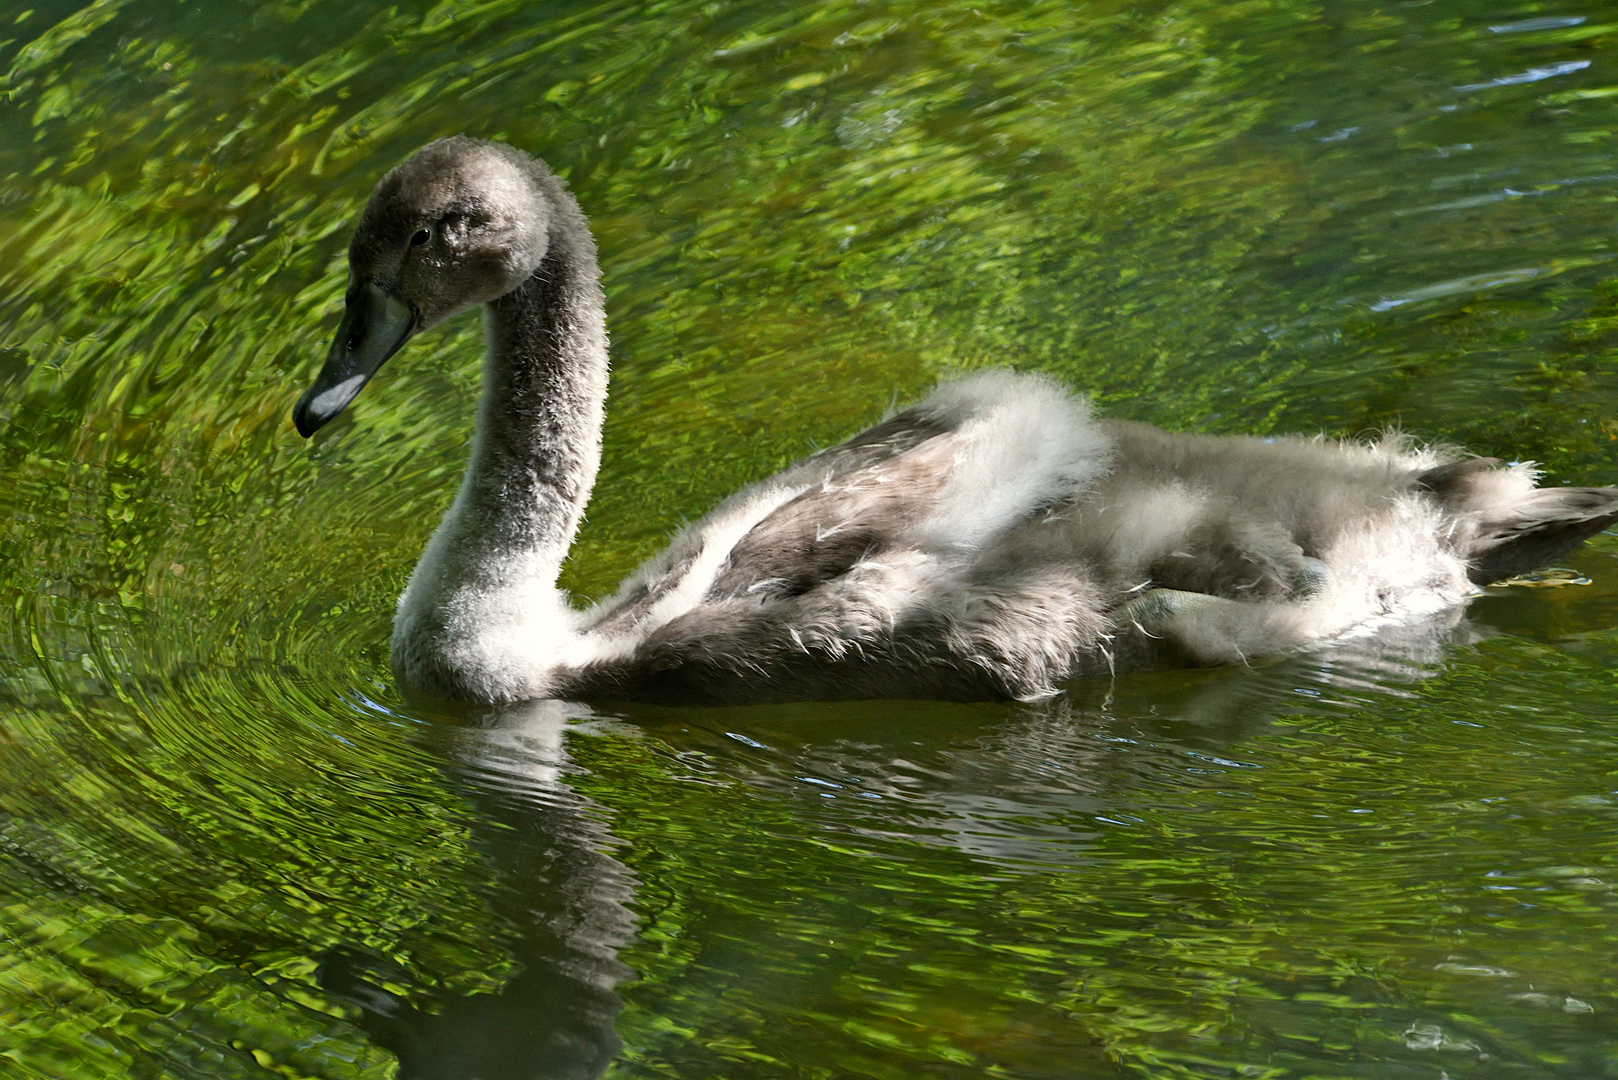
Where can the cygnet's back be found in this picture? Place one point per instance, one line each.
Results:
(995, 540)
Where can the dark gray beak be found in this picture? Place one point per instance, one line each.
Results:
(375, 324)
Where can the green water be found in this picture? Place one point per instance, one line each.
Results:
(228, 850)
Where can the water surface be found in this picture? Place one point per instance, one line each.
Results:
(227, 848)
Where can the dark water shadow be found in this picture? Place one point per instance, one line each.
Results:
(1032, 783)
(1229, 704)
(568, 896)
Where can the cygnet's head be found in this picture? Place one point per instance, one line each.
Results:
(459, 223)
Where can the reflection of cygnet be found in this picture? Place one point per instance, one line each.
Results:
(990, 541)
(568, 897)
(522, 757)
(522, 746)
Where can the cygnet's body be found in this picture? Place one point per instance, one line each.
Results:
(990, 541)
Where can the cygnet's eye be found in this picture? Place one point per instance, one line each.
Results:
(421, 237)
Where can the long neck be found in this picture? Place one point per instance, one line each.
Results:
(538, 441)
(482, 617)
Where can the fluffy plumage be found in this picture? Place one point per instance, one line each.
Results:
(989, 541)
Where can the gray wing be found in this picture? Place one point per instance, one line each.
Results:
(860, 495)
(870, 490)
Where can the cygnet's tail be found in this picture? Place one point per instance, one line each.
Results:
(1505, 526)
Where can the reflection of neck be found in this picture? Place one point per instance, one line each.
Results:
(482, 601)
(549, 845)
